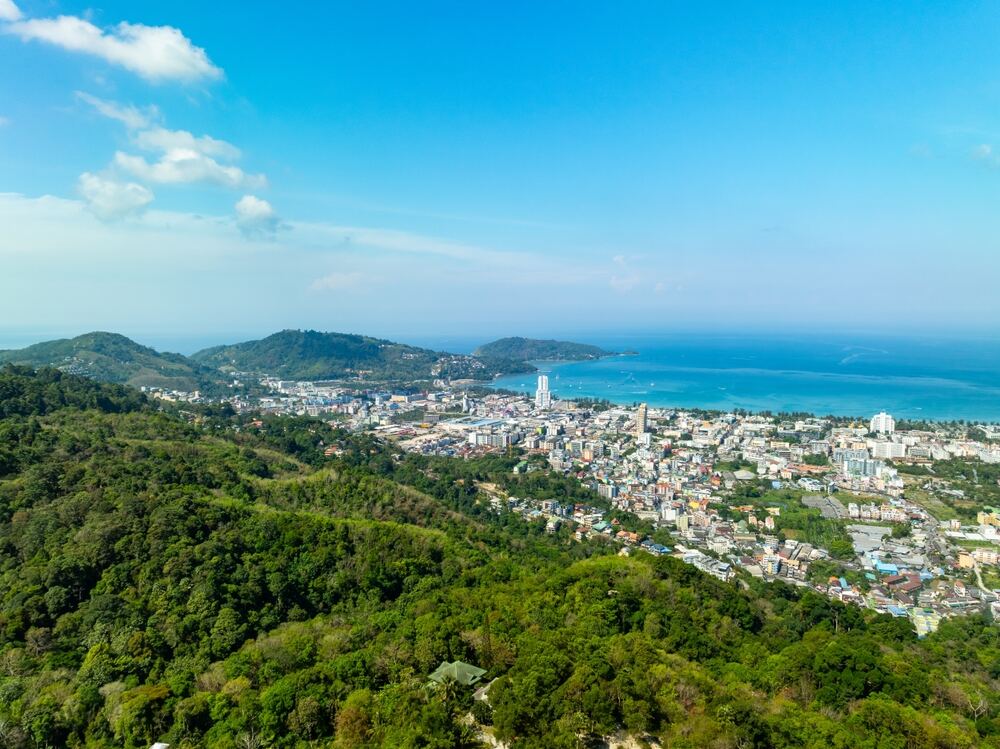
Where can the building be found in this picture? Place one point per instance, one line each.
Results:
(543, 397)
(641, 420)
(885, 449)
(882, 423)
(461, 673)
(863, 467)
(986, 555)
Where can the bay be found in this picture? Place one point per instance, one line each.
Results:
(844, 375)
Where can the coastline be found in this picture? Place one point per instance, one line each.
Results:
(939, 395)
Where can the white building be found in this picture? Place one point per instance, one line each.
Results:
(882, 423)
(884, 449)
(543, 398)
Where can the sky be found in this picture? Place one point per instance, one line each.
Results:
(479, 169)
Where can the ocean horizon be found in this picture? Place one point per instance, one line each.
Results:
(916, 378)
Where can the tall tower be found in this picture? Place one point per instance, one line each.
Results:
(641, 417)
(543, 398)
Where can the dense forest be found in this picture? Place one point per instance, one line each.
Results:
(210, 580)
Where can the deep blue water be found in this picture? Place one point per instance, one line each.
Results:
(917, 378)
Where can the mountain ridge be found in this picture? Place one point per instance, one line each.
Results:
(113, 357)
(288, 354)
(315, 355)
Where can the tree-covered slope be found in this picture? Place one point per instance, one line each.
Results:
(111, 357)
(218, 581)
(533, 349)
(312, 355)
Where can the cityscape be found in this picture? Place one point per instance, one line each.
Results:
(686, 484)
(499, 375)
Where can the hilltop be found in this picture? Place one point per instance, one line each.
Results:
(535, 349)
(111, 357)
(313, 355)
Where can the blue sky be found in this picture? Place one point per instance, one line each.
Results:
(463, 168)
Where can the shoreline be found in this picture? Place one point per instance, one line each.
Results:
(593, 391)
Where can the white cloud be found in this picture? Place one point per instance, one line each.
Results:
(160, 139)
(336, 282)
(181, 166)
(183, 157)
(256, 217)
(132, 117)
(157, 53)
(9, 11)
(109, 199)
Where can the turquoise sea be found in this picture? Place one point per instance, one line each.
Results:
(913, 377)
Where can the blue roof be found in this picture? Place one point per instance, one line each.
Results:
(886, 569)
(843, 583)
(897, 611)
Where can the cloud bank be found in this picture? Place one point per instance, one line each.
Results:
(180, 158)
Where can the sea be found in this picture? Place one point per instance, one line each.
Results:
(912, 377)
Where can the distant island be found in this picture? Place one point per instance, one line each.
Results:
(535, 349)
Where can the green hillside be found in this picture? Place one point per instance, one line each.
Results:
(533, 349)
(312, 355)
(216, 581)
(111, 357)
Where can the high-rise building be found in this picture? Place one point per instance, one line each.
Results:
(882, 423)
(641, 418)
(543, 398)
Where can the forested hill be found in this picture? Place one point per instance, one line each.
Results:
(216, 581)
(312, 355)
(111, 357)
(533, 349)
